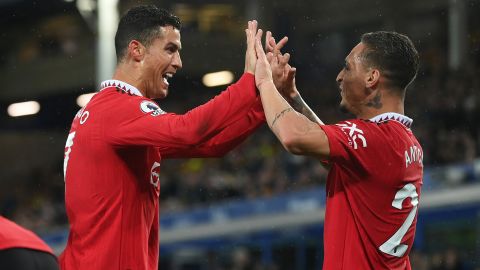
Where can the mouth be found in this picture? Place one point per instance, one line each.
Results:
(166, 76)
(339, 87)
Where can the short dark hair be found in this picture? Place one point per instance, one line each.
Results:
(142, 23)
(392, 53)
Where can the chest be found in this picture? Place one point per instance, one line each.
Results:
(143, 164)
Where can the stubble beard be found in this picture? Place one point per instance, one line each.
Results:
(343, 109)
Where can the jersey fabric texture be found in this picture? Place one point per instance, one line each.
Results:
(14, 236)
(373, 190)
(112, 166)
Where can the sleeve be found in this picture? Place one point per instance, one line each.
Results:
(353, 143)
(13, 235)
(230, 137)
(146, 124)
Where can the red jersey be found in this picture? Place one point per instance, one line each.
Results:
(112, 165)
(373, 190)
(14, 236)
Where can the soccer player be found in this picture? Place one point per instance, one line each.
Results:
(21, 249)
(117, 141)
(375, 161)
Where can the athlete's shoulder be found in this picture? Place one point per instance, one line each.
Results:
(13, 235)
(121, 102)
(357, 126)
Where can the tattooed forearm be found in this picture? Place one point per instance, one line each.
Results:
(300, 106)
(376, 101)
(280, 114)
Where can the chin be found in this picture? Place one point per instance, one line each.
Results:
(343, 108)
(160, 94)
(348, 112)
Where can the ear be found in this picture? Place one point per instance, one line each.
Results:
(372, 78)
(136, 50)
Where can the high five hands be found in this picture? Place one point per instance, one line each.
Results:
(250, 55)
(282, 74)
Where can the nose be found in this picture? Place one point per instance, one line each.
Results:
(177, 61)
(340, 76)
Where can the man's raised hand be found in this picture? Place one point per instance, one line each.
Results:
(250, 54)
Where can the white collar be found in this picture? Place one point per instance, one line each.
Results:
(391, 116)
(130, 89)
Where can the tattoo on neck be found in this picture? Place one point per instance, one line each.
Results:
(280, 114)
(375, 102)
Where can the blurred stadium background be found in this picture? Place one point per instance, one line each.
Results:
(259, 207)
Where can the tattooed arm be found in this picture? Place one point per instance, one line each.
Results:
(297, 102)
(296, 132)
(284, 77)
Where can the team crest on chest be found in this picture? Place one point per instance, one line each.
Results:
(151, 107)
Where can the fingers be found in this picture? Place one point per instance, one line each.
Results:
(268, 45)
(283, 59)
(250, 33)
(270, 57)
(254, 40)
(274, 47)
(280, 44)
(259, 47)
(291, 73)
(279, 62)
(271, 45)
(250, 54)
(258, 36)
(272, 42)
(253, 26)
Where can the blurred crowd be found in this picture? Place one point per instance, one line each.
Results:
(258, 168)
(450, 259)
(245, 258)
(445, 106)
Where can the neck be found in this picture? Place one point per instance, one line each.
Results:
(126, 73)
(389, 103)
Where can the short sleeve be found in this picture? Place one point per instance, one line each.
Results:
(353, 143)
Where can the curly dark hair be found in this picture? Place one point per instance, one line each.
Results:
(142, 23)
(394, 55)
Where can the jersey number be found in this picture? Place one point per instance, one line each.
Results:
(68, 149)
(393, 246)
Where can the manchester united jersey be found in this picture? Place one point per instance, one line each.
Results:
(112, 165)
(373, 192)
(14, 236)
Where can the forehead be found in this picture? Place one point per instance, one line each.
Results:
(355, 55)
(169, 35)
